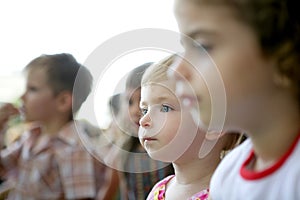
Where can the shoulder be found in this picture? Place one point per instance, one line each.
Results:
(202, 195)
(228, 169)
(159, 188)
(291, 168)
(164, 181)
(236, 157)
(73, 147)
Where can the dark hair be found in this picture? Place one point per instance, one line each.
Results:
(134, 78)
(115, 104)
(62, 72)
(133, 81)
(277, 27)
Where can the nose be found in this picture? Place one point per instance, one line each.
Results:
(145, 121)
(180, 69)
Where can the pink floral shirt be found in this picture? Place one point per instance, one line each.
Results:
(159, 190)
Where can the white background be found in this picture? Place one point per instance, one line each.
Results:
(33, 27)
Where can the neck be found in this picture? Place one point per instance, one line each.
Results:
(273, 139)
(54, 126)
(197, 171)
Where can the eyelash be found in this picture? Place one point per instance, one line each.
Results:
(144, 111)
(166, 106)
(32, 89)
(202, 46)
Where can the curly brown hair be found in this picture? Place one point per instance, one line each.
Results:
(277, 27)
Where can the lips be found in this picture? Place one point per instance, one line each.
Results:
(148, 139)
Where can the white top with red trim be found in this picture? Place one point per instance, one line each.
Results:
(232, 180)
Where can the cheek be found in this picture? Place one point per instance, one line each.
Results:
(244, 79)
(42, 105)
(170, 132)
(173, 128)
(133, 109)
(177, 137)
(45, 101)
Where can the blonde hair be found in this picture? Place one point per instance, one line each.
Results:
(157, 72)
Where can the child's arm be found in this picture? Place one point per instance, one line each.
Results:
(6, 111)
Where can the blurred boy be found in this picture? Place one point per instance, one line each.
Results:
(49, 161)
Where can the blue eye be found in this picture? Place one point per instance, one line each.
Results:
(165, 108)
(144, 111)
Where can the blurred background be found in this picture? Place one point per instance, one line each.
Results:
(34, 27)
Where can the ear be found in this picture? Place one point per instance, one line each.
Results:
(64, 101)
(281, 80)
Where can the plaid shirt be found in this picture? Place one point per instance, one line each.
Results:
(57, 167)
(148, 173)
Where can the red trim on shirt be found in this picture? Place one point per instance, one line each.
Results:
(253, 175)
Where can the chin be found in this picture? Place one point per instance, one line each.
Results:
(163, 157)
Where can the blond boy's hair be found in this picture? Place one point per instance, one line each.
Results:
(158, 72)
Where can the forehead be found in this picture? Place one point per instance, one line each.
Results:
(192, 15)
(133, 93)
(36, 73)
(38, 77)
(158, 91)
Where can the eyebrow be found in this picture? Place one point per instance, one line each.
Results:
(191, 36)
(157, 100)
(198, 32)
(202, 32)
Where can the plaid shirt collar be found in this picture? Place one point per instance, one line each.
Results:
(44, 141)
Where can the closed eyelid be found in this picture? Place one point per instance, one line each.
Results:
(203, 45)
(199, 37)
(30, 87)
(202, 34)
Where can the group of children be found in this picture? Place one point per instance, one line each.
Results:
(253, 45)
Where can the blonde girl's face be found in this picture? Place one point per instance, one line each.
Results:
(232, 54)
(164, 132)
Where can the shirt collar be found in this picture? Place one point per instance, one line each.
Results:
(68, 134)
